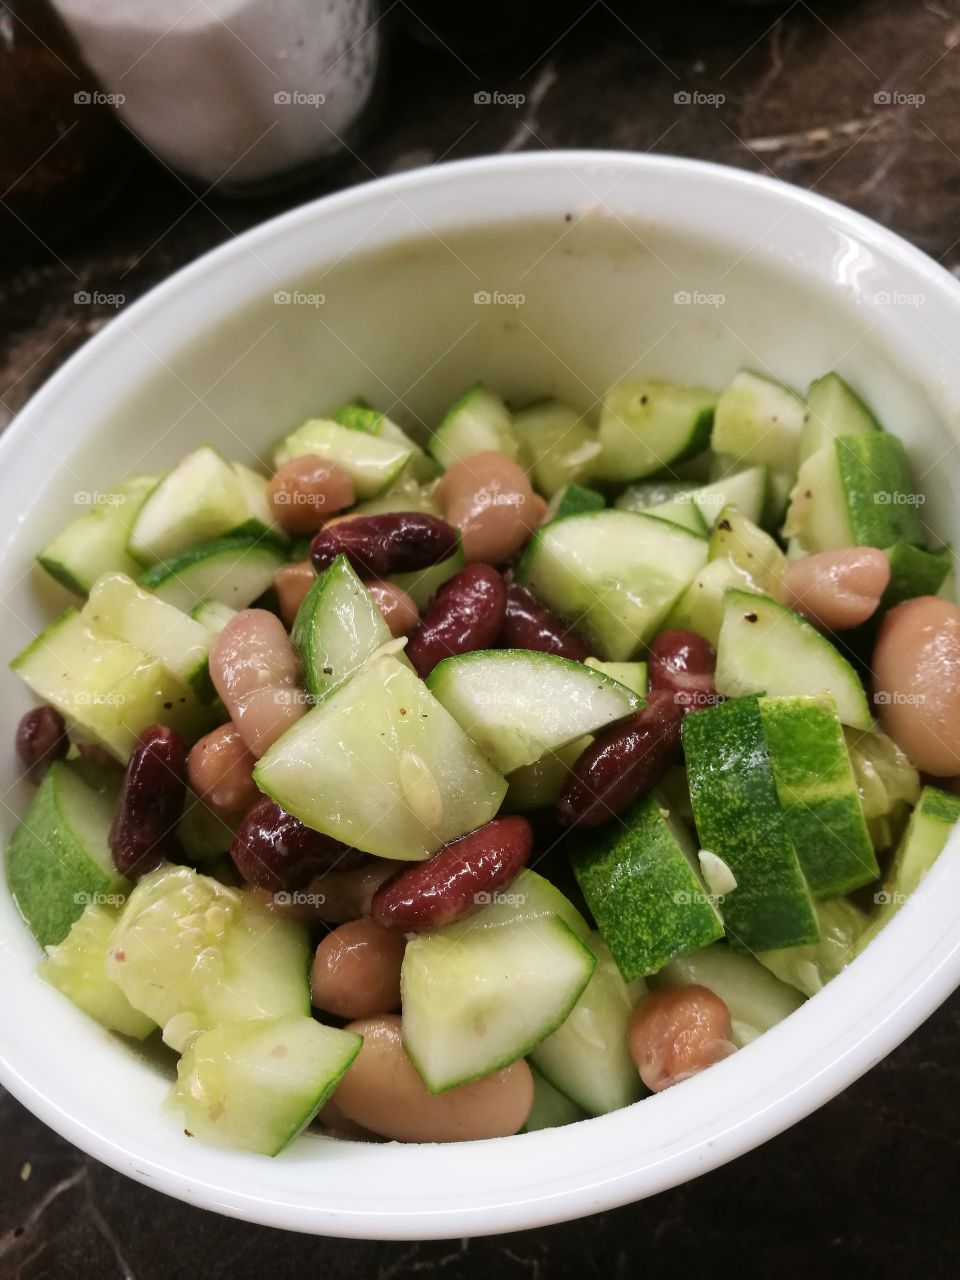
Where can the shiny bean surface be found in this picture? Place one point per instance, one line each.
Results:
(683, 663)
(383, 1092)
(677, 1032)
(307, 491)
(467, 613)
(528, 624)
(459, 879)
(220, 770)
(143, 832)
(836, 590)
(255, 671)
(622, 763)
(292, 582)
(40, 739)
(380, 545)
(356, 970)
(489, 498)
(276, 851)
(398, 609)
(916, 679)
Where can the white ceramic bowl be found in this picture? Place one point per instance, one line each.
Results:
(603, 247)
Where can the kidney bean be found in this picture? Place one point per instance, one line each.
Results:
(255, 671)
(220, 769)
(382, 1091)
(621, 763)
(377, 546)
(684, 663)
(292, 582)
(916, 678)
(489, 498)
(40, 739)
(143, 832)
(398, 609)
(458, 880)
(677, 1032)
(465, 614)
(836, 589)
(275, 850)
(531, 625)
(307, 490)
(356, 970)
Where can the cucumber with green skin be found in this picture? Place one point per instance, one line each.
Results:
(755, 998)
(382, 766)
(530, 897)
(479, 422)
(373, 463)
(96, 542)
(913, 572)
(818, 794)
(204, 836)
(360, 417)
(550, 1108)
(758, 420)
(765, 647)
(213, 615)
(645, 494)
(833, 409)
(646, 425)
(421, 585)
(574, 500)
(558, 446)
(810, 968)
(337, 627)
(75, 967)
(538, 785)
(641, 882)
(255, 1085)
(612, 574)
(745, 489)
(739, 818)
(887, 783)
(59, 858)
(587, 1058)
(741, 541)
(701, 606)
(631, 674)
(517, 705)
(234, 570)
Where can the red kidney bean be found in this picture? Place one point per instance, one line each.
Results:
(274, 850)
(458, 880)
(465, 614)
(621, 763)
(377, 546)
(143, 833)
(684, 664)
(531, 625)
(41, 738)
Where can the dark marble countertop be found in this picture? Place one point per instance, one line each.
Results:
(854, 100)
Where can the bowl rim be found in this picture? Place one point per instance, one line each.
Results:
(689, 1147)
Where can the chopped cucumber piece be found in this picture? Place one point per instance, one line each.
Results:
(213, 615)
(260, 517)
(887, 783)
(373, 463)
(479, 422)
(756, 999)
(574, 500)
(234, 571)
(421, 585)
(557, 445)
(613, 574)
(739, 818)
(914, 572)
(810, 968)
(337, 627)
(97, 542)
(640, 879)
(107, 690)
(117, 607)
(818, 794)
(647, 425)
(538, 785)
(651, 493)
(587, 1058)
(75, 967)
(191, 953)
(200, 499)
(203, 835)
(360, 417)
(855, 491)
(382, 766)
(632, 674)
(758, 420)
(550, 1108)
(59, 858)
(681, 510)
(256, 1085)
(766, 648)
(530, 897)
(701, 606)
(475, 1000)
(749, 549)
(745, 490)
(833, 409)
(405, 495)
(516, 704)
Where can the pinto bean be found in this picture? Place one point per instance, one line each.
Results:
(684, 664)
(275, 850)
(677, 1032)
(255, 671)
(40, 739)
(398, 609)
(382, 1091)
(292, 582)
(143, 832)
(489, 498)
(380, 545)
(836, 590)
(465, 614)
(528, 624)
(220, 769)
(916, 678)
(307, 490)
(356, 970)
